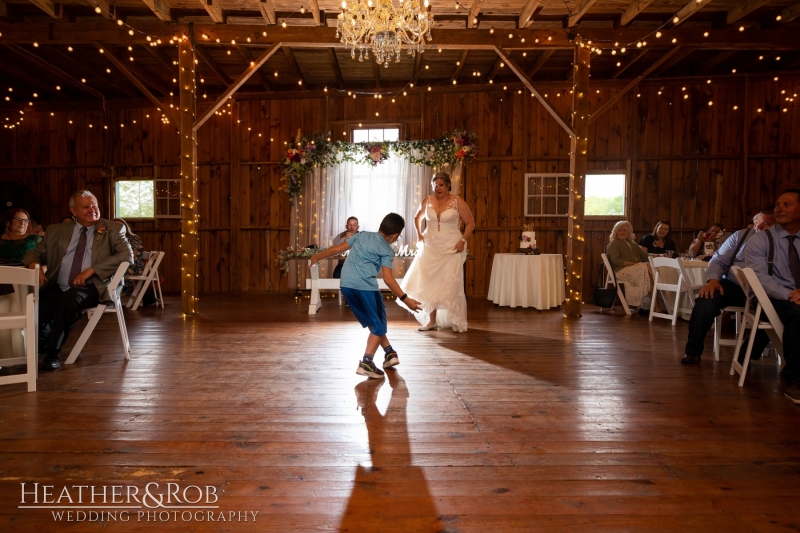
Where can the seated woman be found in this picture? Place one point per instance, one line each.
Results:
(630, 263)
(713, 233)
(15, 241)
(658, 242)
(137, 267)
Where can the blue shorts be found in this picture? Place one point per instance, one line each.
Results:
(368, 308)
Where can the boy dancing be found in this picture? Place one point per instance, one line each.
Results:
(369, 253)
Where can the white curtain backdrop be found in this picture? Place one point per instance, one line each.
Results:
(334, 194)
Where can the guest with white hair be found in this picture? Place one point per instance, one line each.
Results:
(630, 263)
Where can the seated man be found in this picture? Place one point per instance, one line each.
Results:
(781, 281)
(350, 229)
(81, 255)
(721, 290)
(713, 233)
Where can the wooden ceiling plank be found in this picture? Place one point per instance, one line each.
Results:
(790, 13)
(743, 9)
(3, 10)
(156, 52)
(495, 69)
(215, 68)
(688, 10)
(54, 10)
(632, 11)
(78, 66)
(674, 59)
(32, 80)
(336, 69)
(544, 55)
(474, 11)
(316, 13)
(233, 87)
(526, 15)
(267, 11)
(245, 53)
(106, 10)
(417, 68)
(159, 9)
(664, 59)
(629, 63)
(576, 17)
(504, 55)
(54, 70)
(459, 65)
(214, 10)
(149, 78)
(287, 51)
(376, 71)
(125, 69)
(714, 60)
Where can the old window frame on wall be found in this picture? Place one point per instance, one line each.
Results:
(543, 193)
(626, 204)
(159, 185)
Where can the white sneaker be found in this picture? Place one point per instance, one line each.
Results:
(428, 327)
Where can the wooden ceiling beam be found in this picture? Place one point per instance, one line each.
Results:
(245, 53)
(714, 60)
(462, 59)
(33, 58)
(688, 10)
(3, 10)
(32, 80)
(215, 68)
(267, 11)
(417, 68)
(287, 51)
(106, 10)
(376, 71)
(474, 11)
(743, 9)
(584, 7)
(495, 69)
(54, 10)
(159, 9)
(126, 70)
(679, 55)
(158, 54)
(76, 66)
(130, 67)
(319, 16)
(605, 107)
(336, 69)
(783, 38)
(233, 87)
(632, 11)
(790, 13)
(504, 55)
(214, 10)
(526, 15)
(544, 55)
(636, 56)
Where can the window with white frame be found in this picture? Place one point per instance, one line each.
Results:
(605, 194)
(546, 195)
(376, 188)
(148, 198)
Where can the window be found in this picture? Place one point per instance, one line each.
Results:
(605, 194)
(148, 198)
(546, 195)
(379, 134)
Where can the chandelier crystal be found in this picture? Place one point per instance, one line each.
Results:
(364, 26)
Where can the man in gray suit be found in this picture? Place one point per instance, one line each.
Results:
(80, 256)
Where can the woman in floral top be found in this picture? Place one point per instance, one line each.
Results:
(137, 267)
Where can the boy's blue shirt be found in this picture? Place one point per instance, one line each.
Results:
(369, 251)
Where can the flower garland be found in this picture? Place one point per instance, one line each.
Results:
(316, 150)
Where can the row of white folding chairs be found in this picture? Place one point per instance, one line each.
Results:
(27, 320)
(149, 276)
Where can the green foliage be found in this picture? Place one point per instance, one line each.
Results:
(135, 199)
(603, 205)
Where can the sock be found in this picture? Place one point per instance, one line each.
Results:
(367, 359)
(388, 349)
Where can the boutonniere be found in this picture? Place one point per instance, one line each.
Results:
(99, 232)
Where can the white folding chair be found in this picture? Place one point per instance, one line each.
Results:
(149, 275)
(115, 306)
(612, 279)
(679, 288)
(26, 319)
(763, 309)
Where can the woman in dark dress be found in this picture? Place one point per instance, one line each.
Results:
(658, 242)
(15, 241)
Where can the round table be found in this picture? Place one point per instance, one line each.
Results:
(520, 280)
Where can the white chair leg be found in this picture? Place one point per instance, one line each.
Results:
(96, 313)
(136, 291)
(31, 341)
(140, 295)
(717, 330)
(746, 363)
(623, 301)
(123, 330)
(157, 283)
(652, 301)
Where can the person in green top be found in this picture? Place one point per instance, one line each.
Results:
(630, 263)
(15, 241)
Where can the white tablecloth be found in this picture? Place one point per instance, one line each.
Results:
(520, 280)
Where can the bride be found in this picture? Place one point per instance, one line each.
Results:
(436, 277)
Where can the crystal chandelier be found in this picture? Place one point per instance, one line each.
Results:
(379, 27)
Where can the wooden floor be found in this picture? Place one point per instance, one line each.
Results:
(527, 422)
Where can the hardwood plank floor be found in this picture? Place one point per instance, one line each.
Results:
(527, 422)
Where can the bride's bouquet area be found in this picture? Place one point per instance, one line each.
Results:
(316, 150)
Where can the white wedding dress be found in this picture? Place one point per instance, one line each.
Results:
(436, 277)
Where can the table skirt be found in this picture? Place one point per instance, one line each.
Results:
(520, 280)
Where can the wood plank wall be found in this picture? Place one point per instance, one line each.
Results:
(673, 145)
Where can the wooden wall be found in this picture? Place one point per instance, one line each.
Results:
(674, 146)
